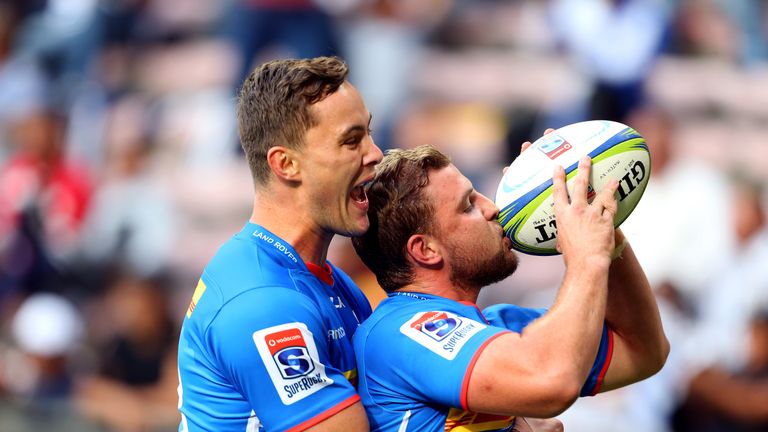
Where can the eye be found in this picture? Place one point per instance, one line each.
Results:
(470, 207)
(353, 140)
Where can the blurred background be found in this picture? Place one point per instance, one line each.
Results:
(121, 174)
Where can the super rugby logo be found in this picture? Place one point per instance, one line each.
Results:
(553, 145)
(289, 355)
(437, 325)
(443, 333)
(289, 350)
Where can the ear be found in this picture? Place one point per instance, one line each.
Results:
(424, 250)
(282, 161)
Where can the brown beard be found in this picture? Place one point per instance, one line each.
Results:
(470, 273)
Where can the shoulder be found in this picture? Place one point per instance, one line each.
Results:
(437, 325)
(260, 315)
(268, 304)
(241, 264)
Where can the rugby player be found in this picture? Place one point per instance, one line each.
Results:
(430, 360)
(266, 341)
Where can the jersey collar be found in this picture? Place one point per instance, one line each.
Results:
(273, 245)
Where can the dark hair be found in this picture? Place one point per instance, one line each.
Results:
(397, 209)
(274, 105)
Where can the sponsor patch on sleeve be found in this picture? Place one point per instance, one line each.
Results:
(443, 333)
(290, 355)
(199, 291)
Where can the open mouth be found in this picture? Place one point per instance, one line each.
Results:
(358, 194)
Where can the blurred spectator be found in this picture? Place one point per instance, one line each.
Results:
(723, 401)
(750, 17)
(615, 43)
(669, 218)
(56, 38)
(21, 83)
(292, 28)
(46, 329)
(43, 200)
(726, 386)
(36, 369)
(134, 388)
(383, 43)
(473, 134)
(131, 222)
(701, 29)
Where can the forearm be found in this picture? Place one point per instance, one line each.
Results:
(573, 327)
(632, 313)
(540, 372)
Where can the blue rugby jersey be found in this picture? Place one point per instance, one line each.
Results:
(265, 344)
(415, 355)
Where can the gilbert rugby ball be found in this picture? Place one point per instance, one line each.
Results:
(524, 195)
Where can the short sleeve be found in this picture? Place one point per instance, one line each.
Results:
(604, 354)
(511, 317)
(429, 358)
(271, 343)
(516, 318)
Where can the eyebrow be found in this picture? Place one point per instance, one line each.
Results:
(356, 128)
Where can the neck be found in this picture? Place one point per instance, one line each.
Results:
(290, 224)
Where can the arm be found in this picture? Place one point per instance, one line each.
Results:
(640, 346)
(539, 372)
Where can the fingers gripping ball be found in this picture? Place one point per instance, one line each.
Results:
(524, 195)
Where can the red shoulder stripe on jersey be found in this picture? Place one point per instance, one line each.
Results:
(326, 414)
(608, 357)
(465, 383)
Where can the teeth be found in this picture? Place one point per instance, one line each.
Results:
(358, 194)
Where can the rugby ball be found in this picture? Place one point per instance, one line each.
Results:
(524, 195)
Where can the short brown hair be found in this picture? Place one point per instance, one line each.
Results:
(273, 107)
(397, 210)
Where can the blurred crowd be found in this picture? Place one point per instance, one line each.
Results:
(121, 173)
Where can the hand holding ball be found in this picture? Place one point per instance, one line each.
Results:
(524, 195)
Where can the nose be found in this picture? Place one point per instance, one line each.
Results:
(374, 154)
(490, 211)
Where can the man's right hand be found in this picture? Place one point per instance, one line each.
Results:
(584, 230)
